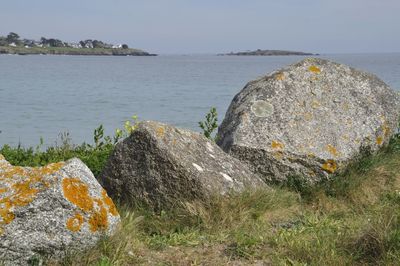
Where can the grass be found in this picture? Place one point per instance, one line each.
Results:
(351, 220)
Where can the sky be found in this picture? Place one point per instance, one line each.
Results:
(213, 26)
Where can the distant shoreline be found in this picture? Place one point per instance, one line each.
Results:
(73, 51)
(260, 52)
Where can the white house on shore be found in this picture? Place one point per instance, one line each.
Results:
(75, 45)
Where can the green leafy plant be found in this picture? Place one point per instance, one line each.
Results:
(210, 124)
(93, 155)
(129, 127)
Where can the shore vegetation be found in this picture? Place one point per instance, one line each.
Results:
(353, 219)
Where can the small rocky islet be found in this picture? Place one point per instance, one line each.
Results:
(260, 52)
(310, 119)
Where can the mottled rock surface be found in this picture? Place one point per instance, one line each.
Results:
(49, 210)
(309, 119)
(161, 165)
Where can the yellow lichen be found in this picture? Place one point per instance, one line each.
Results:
(379, 140)
(278, 155)
(77, 193)
(23, 193)
(332, 150)
(109, 203)
(311, 154)
(314, 69)
(308, 116)
(98, 220)
(276, 145)
(280, 76)
(6, 215)
(25, 184)
(315, 104)
(160, 132)
(329, 166)
(10, 172)
(75, 222)
(386, 129)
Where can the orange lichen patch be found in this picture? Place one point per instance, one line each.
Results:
(109, 203)
(51, 168)
(98, 220)
(329, 166)
(25, 184)
(332, 150)
(276, 145)
(77, 193)
(75, 222)
(6, 215)
(379, 140)
(280, 76)
(314, 69)
(160, 132)
(10, 172)
(24, 193)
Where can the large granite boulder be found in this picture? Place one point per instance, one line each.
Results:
(309, 120)
(47, 211)
(161, 166)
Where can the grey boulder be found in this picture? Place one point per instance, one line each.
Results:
(309, 120)
(160, 166)
(48, 211)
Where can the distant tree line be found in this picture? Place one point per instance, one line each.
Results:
(13, 39)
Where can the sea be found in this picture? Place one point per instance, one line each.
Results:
(47, 96)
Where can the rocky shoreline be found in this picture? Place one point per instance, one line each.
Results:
(73, 51)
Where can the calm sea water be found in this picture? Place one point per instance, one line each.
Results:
(42, 96)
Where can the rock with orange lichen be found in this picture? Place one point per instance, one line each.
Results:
(318, 107)
(46, 211)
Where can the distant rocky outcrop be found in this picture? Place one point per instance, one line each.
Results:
(45, 211)
(260, 52)
(309, 120)
(161, 166)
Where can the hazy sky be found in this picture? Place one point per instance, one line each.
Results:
(213, 26)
